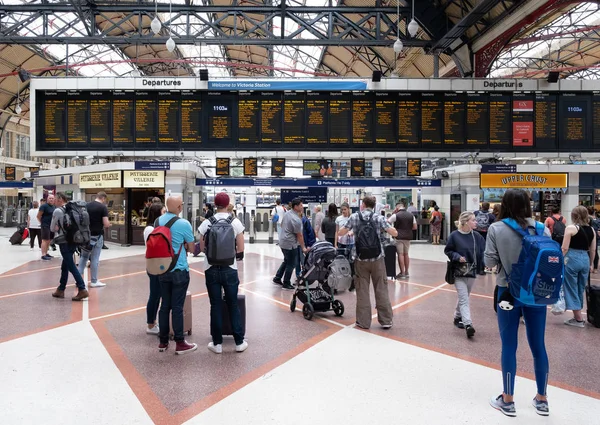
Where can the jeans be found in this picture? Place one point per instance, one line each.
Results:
(68, 265)
(173, 288)
(290, 260)
(577, 271)
(96, 243)
(219, 280)
(153, 299)
(463, 286)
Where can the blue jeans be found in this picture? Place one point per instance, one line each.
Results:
(153, 299)
(68, 265)
(96, 243)
(577, 271)
(173, 287)
(219, 280)
(290, 260)
(508, 323)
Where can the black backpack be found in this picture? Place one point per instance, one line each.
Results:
(76, 224)
(558, 230)
(368, 244)
(220, 242)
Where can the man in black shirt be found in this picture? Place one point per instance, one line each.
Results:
(45, 218)
(98, 222)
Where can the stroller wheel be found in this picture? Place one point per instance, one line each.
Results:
(308, 311)
(338, 307)
(293, 304)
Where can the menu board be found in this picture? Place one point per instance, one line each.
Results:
(250, 167)
(271, 109)
(477, 119)
(168, 118)
(55, 109)
(357, 167)
(219, 116)
(340, 115)
(100, 109)
(222, 167)
(522, 117)
(454, 119)
(500, 120)
(278, 167)
(248, 119)
(122, 119)
(293, 118)
(413, 167)
(388, 167)
(574, 113)
(545, 121)
(596, 119)
(317, 119)
(191, 118)
(362, 118)
(409, 120)
(385, 119)
(432, 119)
(145, 120)
(77, 112)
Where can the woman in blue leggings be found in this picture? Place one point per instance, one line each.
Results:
(503, 247)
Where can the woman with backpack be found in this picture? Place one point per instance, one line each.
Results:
(155, 211)
(328, 225)
(579, 249)
(503, 248)
(436, 225)
(465, 249)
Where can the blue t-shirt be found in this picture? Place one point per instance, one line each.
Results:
(47, 211)
(181, 231)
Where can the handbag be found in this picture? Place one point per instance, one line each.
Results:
(450, 273)
(456, 269)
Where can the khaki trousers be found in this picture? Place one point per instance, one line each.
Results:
(365, 272)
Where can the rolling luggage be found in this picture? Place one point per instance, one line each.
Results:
(390, 261)
(592, 294)
(227, 323)
(187, 316)
(16, 238)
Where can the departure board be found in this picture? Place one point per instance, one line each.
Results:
(545, 110)
(220, 119)
(413, 167)
(278, 167)
(100, 108)
(477, 126)
(55, 108)
(385, 118)
(317, 122)
(574, 110)
(596, 119)
(122, 119)
(500, 120)
(222, 167)
(522, 117)
(454, 119)
(362, 119)
(357, 167)
(168, 118)
(409, 120)
(191, 118)
(388, 167)
(340, 117)
(294, 104)
(77, 119)
(248, 119)
(271, 110)
(432, 120)
(145, 119)
(250, 167)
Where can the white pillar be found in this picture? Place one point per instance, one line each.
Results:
(251, 199)
(571, 199)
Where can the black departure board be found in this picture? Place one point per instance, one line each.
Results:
(357, 167)
(388, 167)
(145, 120)
(248, 119)
(575, 113)
(219, 119)
(500, 105)
(409, 120)
(340, 116)
(77, 119)
(278, 167)
(55, 108)
(250, 167)
(317, 119)
(362, 119)
(191, 118)
(271, 114)
(168, 118)
(432, 120)
(454, 119)
(222, 167)
(100, 122)
(596, 119)
(294, 104)
(477, 119)
(123, 119)
(385, 119)
(413, 167)
(545, 112)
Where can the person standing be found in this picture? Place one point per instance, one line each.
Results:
(318, 222)
(556, 217)
(45, 218)
(60, 219)
(34, 225)
(174, 284)
(467, 246)
(223, 279)
(278, 210)
(98, 213)
(345, 242)
(309, 240)
(154, 212)
(328, 223)
(484, 219)
(369, 264)
(404, 223)
(436, 225)
(291, 237)
(411, 209)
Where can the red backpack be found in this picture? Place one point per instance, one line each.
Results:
(160, 257)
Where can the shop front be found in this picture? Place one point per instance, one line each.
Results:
(141, 186)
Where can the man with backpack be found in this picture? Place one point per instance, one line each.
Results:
(557, 225)
(484, 219)
(369, 264)
(404, 223)
(291, 237)
(62, 222)
(222, 239)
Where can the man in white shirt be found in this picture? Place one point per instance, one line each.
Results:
(224, 279)
(319, 216)
(280, 211)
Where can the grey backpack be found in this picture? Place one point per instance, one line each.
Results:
(220, 242)
(340, 274)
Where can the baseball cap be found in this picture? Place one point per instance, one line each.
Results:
(222, 200)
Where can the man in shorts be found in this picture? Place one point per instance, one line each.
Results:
(45, 218)
(405, 223)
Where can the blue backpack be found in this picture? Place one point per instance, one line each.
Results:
(537, 278)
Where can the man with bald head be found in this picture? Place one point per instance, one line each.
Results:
(174, 284)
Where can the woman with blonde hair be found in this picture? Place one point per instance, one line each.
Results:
(579, 249)
(465, 247)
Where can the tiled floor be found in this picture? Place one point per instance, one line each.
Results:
(72, 363)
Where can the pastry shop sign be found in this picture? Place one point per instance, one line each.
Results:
(102, 180)
(147, 178)
(524, 180)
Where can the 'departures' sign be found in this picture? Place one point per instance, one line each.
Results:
(147, 178)
(101, 180)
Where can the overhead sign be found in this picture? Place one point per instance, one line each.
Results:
(413, 167)
(10, 174)
(149, 178)
(499, 168)
(250, 167)
(388, 167)
(152, 165)
(357, 167)
(222, 167)
(101, 180)
(319, 182)
(308, 195)
(287, 85)
(34, 172)
(524, 180)
(278, 167)
(317, 166)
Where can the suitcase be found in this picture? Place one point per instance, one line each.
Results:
(225, 311)
(187, 316)
(16, 238)
(592, 295)
(390, 261)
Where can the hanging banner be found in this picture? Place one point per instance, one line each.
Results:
(524, 180)
(150, 178)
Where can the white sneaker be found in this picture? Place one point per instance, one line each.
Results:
(152, 331)
(97, 285)
(217, 349)
(242, 347)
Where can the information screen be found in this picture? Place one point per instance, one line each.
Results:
(596, 119)
(522, 116)
(313, 167)
(454, 119)
(574, 113)
(317, 119)
(122, 119)
(100, 123)
(500, 120)
(385, 119)
(77, 119)
(55, 107)
(191, 118)
(545, 121)
(294, 104)
(248, 119)
(413, 167)
(250, 167)
(409, 120)
(168, 118)
(222, 167)
(388, 167)
(362, 119)
(357, 167)
(432, 120)
(476, 130)
(219, 117)
(340, 116)
(271, 106)
(145, 119)
(278, 167)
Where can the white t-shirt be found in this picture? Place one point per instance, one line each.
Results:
(147, 232)
(238, 228)
(279, 210)
(341, 221)
(33, 221)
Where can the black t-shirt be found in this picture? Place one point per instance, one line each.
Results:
(47, 211)
(97, 211)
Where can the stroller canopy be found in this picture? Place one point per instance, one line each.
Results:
(321, 253)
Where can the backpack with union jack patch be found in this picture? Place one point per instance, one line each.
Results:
(537, 278)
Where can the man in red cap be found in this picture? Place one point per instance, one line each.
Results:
(222, 239)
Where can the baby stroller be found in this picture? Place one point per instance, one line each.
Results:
(316, 269)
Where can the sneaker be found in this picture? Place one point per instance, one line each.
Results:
(399, 276)
(46, 258)
(217, 349)
(508, 409)
(541, 407)
(97, 284)
(277, 281)
(470, 331)
(81, 295)
(242, 347)
(163, 346)
(358, 325)
(459, 323)
(387, 326)
(406, 275)
(59, 293)
(152, 331)
(182, 347)
(288, 286)
(575, 322)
